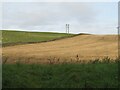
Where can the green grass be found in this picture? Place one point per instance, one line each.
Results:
(90, 75)
(15, 37)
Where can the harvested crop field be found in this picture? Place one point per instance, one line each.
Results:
(78, 48)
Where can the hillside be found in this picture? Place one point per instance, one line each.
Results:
(86, 47)
(22, 37)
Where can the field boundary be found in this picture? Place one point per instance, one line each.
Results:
(21, 43)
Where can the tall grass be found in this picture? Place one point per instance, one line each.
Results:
(94, 74)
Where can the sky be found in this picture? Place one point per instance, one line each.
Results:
(83, 17)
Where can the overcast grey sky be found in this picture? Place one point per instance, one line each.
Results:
(83, 17)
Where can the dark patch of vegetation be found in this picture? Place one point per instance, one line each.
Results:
(84, 34)
(94, 74)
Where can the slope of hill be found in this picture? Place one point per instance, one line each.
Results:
(19, 37)
(81, 47)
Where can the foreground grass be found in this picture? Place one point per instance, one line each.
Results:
(97, 75)
(15, 37)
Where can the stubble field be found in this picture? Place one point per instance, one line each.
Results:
(80, 48)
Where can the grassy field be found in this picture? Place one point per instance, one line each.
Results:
(15, 37)
(90, 75)
(75, 72)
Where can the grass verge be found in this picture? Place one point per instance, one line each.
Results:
(89, 75)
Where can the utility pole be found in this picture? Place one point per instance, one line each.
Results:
(118, 41)
(118, 30)
(67, 28)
